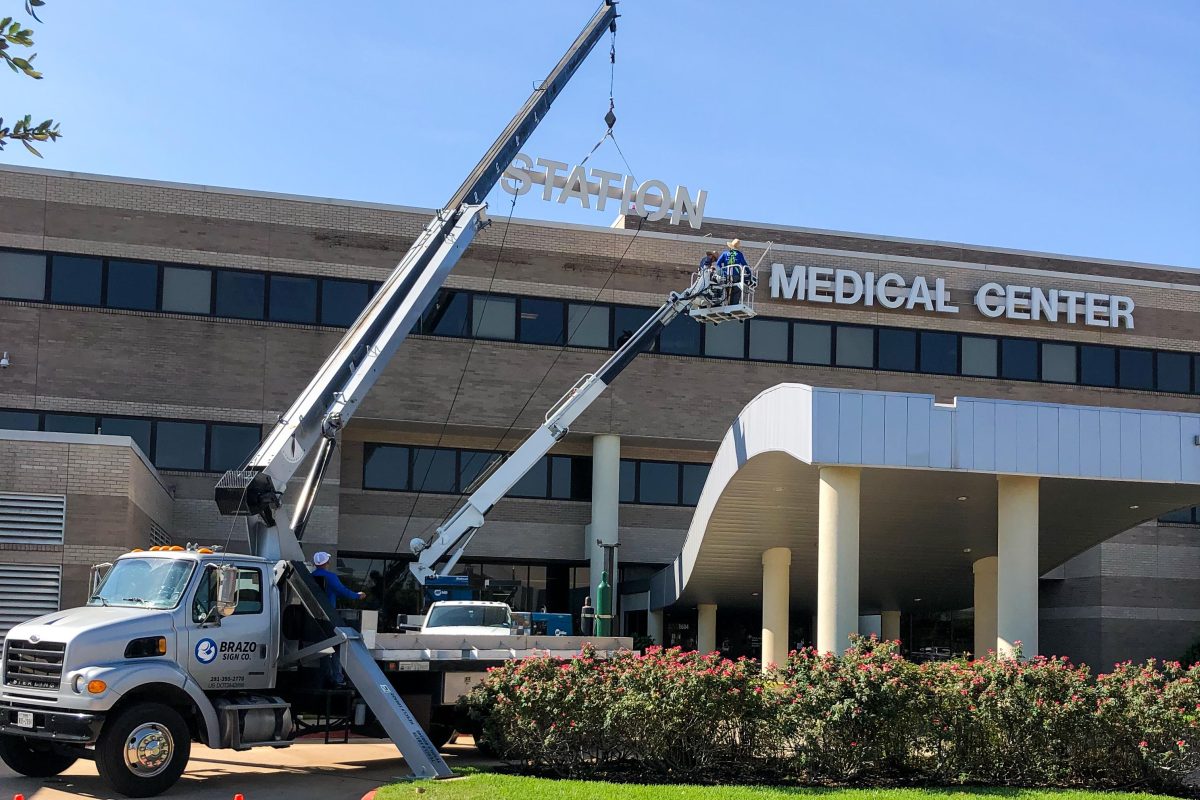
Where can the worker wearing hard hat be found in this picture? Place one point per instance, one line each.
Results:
(331, 665)
(730, 265)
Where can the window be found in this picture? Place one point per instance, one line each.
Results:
(658, 483)
(560, 477)
(587, 325)
(293, 299)
(1136, 370)
(434, 469)
(768, 339)
(22, 275)
(1019, 359)
(939, 353)
(628, 481)
(179, 445)
(1174, 372)
(541, 321)
(75, 280)
(18, 420)
(727, 340)
(1184, 516)
(231, 445)
(70, 423)
(1196, 374)
(494, 317)
(249, 594)
(534, 482)
(342, 301)
(681, 336)
(1058, 363)
(694, 476)
(385, 466)
(811, 343)
(979, 357)
(187, 291)
(136, 429)
(897, 350)
(1097, 365)
(132, 285)
(855, 347)
(447, 314)
(240, 295)
(626, 321)
(472, 464)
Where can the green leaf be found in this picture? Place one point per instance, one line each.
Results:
(31, 148)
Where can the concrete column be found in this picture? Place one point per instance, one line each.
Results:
(606, 496)
(776, 597)
(891, 626)
(654, 626)
(706, 627)
(1017, 565)
(837, 558)
(985, 606)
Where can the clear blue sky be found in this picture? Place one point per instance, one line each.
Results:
(1070, 126)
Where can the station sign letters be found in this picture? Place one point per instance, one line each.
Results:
(993, 300)
(651, 199)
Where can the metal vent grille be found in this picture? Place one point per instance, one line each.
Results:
(32, 518)
(27, 591)
(158, 537)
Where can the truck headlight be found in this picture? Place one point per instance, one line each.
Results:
(146, 647)
(78, 683)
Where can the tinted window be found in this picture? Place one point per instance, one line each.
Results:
(811, 343)
(494, 317)
(628, 481)
(179, 445)
(979, 357)
(187, 291)
(681, 337)
(1097, 365)
(587, 326)
(533, 484)
(626, 321)
(70, 423)
(769, 339)
(231, 445)
(75, 280)
(1058, 363)
(560, 477)
(658, 483)
(1018, 359)
(541, 321)
(342, 301)
(446, 315)
(133, 285)
(897, 350)
(19, 420)
(1196, 374)
(293, 299)
(240, 295)
(136, 429)
(471, 464)
(694, 476)
(727, 340)
(434, 470)
(1136, 369)
(939, 353)
(1183, 515)
(855, 347)
(1174, 372)
(385, 467)
(22, 275)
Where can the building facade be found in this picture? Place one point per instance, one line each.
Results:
(175, 322)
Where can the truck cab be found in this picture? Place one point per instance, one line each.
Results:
(468, 618)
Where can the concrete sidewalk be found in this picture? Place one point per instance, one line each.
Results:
(300, 772)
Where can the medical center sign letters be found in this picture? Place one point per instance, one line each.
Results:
(891, 290)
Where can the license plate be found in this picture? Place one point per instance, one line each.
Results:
(24, 719)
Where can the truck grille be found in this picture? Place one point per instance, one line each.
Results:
(33, 666)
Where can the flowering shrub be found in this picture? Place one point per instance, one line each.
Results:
(868, 716)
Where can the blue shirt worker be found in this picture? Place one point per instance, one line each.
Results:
(729, 266)
(331, 665)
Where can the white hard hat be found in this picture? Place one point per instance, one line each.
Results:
(321, 558)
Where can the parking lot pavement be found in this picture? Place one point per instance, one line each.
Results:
(299, 772)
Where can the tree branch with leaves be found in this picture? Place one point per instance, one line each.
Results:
(15, 34)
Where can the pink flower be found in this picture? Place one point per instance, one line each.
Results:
(1142, 743)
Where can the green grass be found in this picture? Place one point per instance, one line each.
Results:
(485, 786)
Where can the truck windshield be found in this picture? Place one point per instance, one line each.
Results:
(468, 616)
(144, 583)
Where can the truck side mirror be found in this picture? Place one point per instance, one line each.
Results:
(227, 589)
(98, 573)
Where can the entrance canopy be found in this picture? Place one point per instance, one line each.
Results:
(928, 489)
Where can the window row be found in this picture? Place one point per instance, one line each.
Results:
(447, 470)
(169, 444)
(1185, 516)
(149, 286)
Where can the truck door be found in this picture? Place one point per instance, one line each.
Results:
(234, 652)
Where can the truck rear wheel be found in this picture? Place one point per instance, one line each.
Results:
(33, 758)
(142, 750)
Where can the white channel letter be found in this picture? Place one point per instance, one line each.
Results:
(1095, 309)
(577, 187)
(685, 206)
(1072, 302)
(516, 179)
(819, 283)
(1045, 304)
(919, 293)
(983, 299)
(885, 299)
(1016, 302)
(552, 169)
(842, 278)
(606, 179)
(661, 198)
(942, 297)
(789, 287)
(1121, 311)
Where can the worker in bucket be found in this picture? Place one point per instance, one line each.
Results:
(708, 269)
(730, 265)
(331, 665)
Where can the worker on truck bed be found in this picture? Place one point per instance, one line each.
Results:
(331, 665)
(729, 266)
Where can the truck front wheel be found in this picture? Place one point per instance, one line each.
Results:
(33, 758)
(143, 749)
